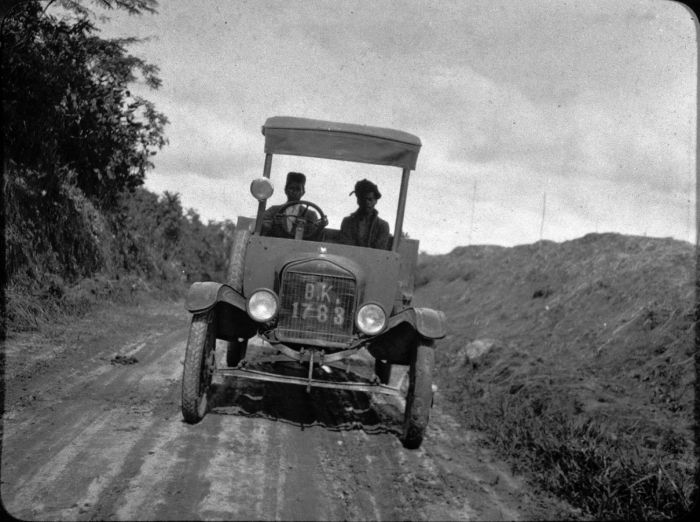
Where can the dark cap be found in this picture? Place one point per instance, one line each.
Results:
(295, 177)
(364, 186)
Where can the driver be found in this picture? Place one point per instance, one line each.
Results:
(285, 227)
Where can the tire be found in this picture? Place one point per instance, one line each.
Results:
(235, 351)
(234, 273)
(420, 396)
(383, 370)
(199, 367)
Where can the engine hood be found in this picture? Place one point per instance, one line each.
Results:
(330, 264)
(375, 271)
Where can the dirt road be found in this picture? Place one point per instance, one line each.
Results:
(92, 429)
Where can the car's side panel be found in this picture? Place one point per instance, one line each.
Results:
(408, 250)
(431, 323)
(232, 320)
(204, 295)
(427, 322)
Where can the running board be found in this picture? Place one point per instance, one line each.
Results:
(274, 377)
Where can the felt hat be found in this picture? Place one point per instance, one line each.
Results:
(365, 186)
(295, 177)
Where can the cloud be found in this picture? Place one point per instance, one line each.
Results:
(225, 200)
(624, 144)
(589, 137)
(207, 141)
(594, 104)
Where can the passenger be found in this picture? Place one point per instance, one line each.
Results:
(285, 227)
(364, 227)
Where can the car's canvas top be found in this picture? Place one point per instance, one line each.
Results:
(341, 141)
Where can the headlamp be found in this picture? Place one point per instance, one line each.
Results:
(262, 305)
(261, 189)
(370, 319)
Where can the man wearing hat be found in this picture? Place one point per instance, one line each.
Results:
(364, 227)
(284, 227)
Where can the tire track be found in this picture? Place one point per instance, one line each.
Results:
(58, 457)
(79, 472)
(236, 472)
(153, 456)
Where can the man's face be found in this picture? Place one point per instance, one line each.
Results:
(367, 201)
(294, 191)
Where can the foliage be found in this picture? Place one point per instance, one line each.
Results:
(158, 239)
(77, 145)
(32, 309)
(131, 6)
(69, 114)
(146, 243)
(63, 235)
(74, 140)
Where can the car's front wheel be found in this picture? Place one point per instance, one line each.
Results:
(419, 399)
(199, 367)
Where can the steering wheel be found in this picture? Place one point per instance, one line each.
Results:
(303, 227)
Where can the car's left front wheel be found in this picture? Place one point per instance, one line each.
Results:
(199, 367)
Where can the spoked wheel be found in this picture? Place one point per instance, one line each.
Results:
(310, 227)
(420, 396)
(235, 351)
(199, 367)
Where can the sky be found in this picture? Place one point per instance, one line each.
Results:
(539, 119)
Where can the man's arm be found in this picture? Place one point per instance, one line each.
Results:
(382, 241)
(267, 220)
(313, 222)
(310, 216)
(345, 236)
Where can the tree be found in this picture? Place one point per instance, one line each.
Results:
(74, 137)
(155, 235)
(67, 103)
(131, 6)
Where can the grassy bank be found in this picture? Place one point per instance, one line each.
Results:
(33, 309)
(577, 360)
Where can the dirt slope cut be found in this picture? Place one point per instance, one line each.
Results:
(598, 329)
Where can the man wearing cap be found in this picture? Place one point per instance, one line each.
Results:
(281, 227)
(364, 227)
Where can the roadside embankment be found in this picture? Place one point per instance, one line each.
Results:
(577, 358)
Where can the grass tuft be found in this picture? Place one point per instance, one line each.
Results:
(586, 461)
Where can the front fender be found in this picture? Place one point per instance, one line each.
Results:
(204, 295)
(427, 322)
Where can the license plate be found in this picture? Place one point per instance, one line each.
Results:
(319, 303)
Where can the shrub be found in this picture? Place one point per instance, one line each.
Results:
(57, 233)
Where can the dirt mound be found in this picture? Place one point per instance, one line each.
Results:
(599, 328)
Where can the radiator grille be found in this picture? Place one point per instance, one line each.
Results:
(316, 307)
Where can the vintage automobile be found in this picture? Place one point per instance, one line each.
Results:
(314, 299)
